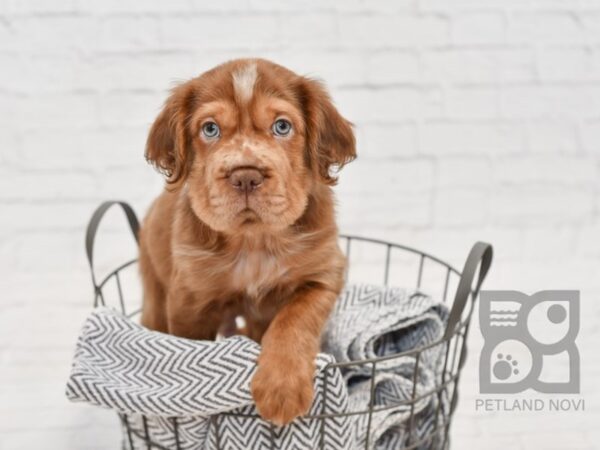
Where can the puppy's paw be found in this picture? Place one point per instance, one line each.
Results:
(282, 389)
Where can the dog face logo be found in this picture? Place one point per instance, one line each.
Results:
(522, 335)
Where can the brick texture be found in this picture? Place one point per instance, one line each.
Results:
(476, 120)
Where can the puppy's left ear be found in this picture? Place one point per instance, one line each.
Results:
(330, 138)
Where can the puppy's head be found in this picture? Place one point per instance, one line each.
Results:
(249, 140)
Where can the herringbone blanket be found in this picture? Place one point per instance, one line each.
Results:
(372, 322)
(152, 378)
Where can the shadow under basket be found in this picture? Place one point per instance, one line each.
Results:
(369, 260)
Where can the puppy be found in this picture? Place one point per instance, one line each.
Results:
(245, 226)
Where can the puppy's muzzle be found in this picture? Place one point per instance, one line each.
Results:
(246, 179)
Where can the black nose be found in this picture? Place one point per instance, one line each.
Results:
(246, 179)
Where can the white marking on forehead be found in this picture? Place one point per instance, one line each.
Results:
(243, 82)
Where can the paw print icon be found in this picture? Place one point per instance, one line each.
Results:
(528, 339)
(505, 367)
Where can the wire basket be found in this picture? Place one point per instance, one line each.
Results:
(383, 262)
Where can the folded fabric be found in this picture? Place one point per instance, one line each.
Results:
(151, 378)
(370, 322)
(391, 427)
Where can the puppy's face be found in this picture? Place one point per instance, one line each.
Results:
(249, 140)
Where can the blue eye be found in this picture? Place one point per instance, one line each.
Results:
(281, 127)
(211, 130)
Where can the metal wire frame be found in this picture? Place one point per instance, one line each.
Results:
(453, 345)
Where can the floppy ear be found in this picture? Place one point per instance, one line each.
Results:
(330, 139)
(167, 144)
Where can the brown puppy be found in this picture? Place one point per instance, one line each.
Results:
(246, 225)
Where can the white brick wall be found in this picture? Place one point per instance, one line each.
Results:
(476, 119)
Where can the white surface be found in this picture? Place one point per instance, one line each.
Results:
(475, 120)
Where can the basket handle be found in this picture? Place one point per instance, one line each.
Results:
(480, 256)
(92, 228)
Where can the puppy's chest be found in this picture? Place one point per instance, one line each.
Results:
(255, 272)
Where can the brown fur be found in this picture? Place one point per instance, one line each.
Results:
(209, 253)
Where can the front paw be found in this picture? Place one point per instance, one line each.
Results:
(282, 388)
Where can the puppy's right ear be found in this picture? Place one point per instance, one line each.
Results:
(167, 144)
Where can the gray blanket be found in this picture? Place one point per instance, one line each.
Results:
(372, 322)
(152, 378)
